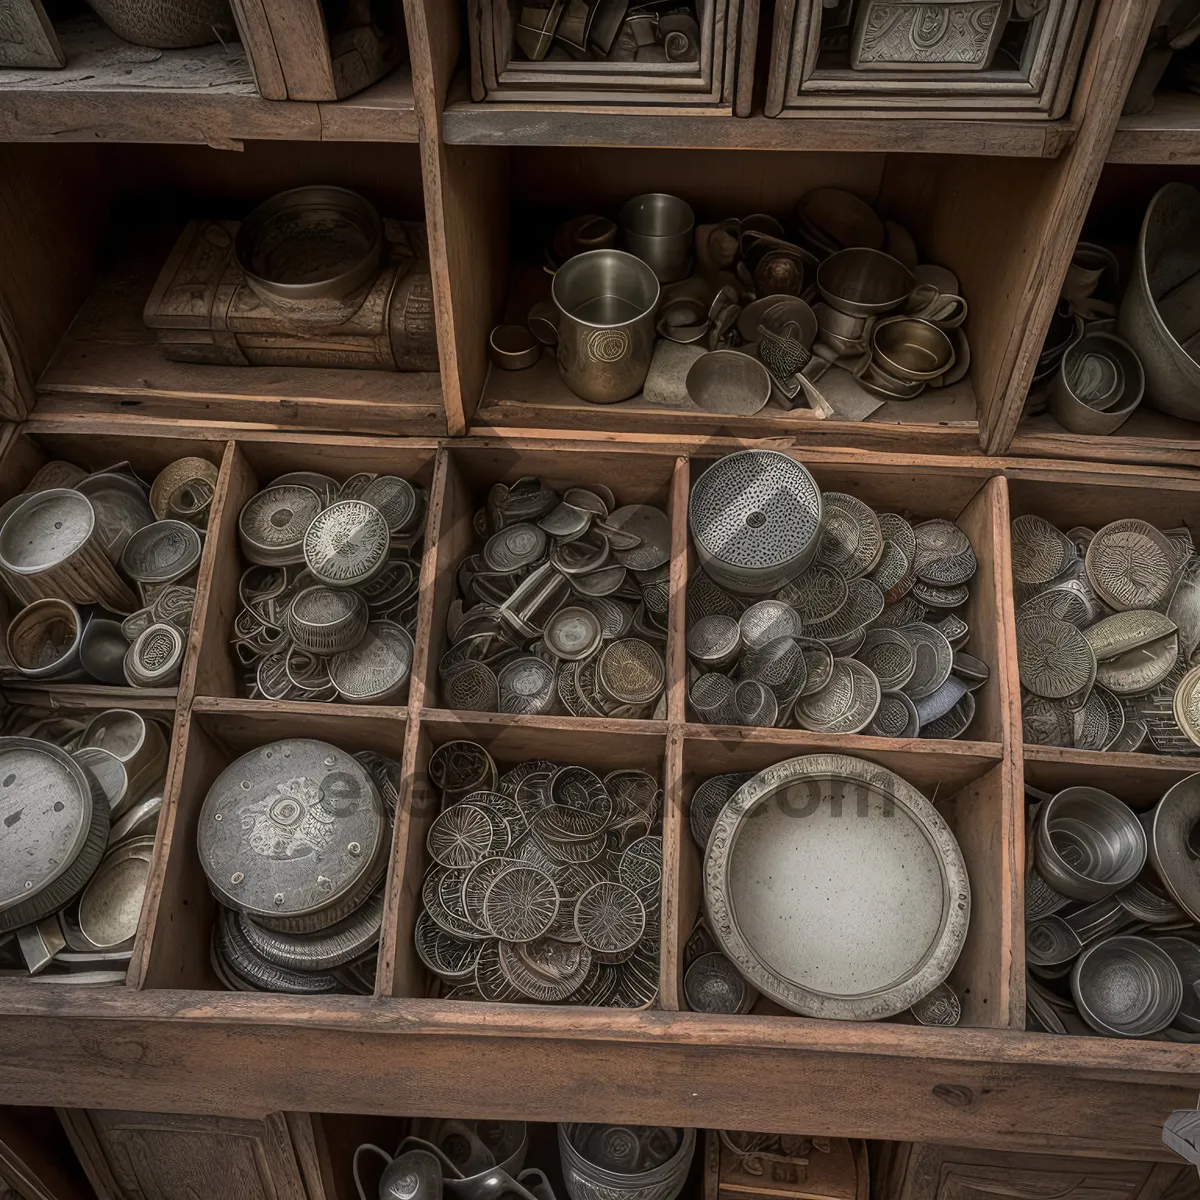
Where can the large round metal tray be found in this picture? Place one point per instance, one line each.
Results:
(836, 888)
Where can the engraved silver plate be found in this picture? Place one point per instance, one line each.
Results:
(864, 604)
(514, 547)
(293, 834)
(1072, 601)
(155, 658)
(851, 539)
(573, 633)
(1055, 660)
(55, 828)
(883, 936)
(767, 620)
(377, 669)
(162, 552)
(1099, 722)
(890, 655)
(1130, 565)
(847, 704)
(755, 518)
(121, 509)
(817, 593)
(1137, 671)
(652, 527)
(714, 641)
(347, 544)
(395, 498)
(111, 904)
(934, 659)
(272, 524)
(944, 555)
(712, 984)
(1184, 607)
(325, 620)
(1040, 552)
(896, 718)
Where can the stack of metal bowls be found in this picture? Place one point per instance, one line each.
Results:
(81, 804)
(1112, 911)
(812, 610)
(1108, 625)
(105, 568)
(624, 1162)
(294, 838)
(329, 604)
(564, 607)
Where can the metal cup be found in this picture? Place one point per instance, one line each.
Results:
(605, 301)
(660, 230)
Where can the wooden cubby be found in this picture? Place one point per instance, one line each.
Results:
(89, 178)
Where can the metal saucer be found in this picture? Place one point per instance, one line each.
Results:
(162, 552)
(1126, 987)
(111, 904)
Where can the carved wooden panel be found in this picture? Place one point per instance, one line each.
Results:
(153, 1156)
(926, 1172)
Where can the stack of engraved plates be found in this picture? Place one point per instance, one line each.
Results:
(105, 568)
(544, 883)
(563, 609)
(1108, 626)
(852, 919)
(294, 838)
(1112, 914)
(329, 606)
(80, 800)
(814, 611)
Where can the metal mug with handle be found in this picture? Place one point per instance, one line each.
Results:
(605, 303)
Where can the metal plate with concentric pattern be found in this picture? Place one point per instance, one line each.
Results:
(1130, 564)
(347, 544)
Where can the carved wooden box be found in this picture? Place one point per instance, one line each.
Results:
(947, 58)
(203, 310)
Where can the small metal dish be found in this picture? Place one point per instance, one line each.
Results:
(44, 639)
(863, 283)
(513, 347)
(1076, 402)
(729, 383)
(1089, 844)
(310, 249)
(1126, 987)
(911, 349)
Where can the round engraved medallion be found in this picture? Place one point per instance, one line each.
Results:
(1130, 565)
(346, 544)
(1053, 658)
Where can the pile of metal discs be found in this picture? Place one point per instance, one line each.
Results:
(329, 604)
(102, 568)
(79, 801)
(563, 609)
(1108, 625)
(544, 883)
(294, 838)
(812, 610)
(1112, 914)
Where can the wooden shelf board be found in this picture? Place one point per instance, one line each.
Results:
(1169, 133)
(538, 398)
(111, 91)
(155, 1051)
(494, 124)
(1147, 437)
(108, 361)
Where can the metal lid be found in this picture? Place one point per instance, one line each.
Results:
(347, 544)
(755, 518)
(45, 530)
(377, 669)
(290, 832)
(395, 498)
(111, 904)
(162, 552)
(514, 547)
(573, 633)
(55, 827)
(651, 526)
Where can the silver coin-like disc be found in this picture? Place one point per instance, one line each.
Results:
(851, 538)
(846, 704)
(162, 552)
(1130, 565)
(890, 655)
(864, 604)
(272, 523)
(395, 498)
(1053, 658)
(816, 594)
(767, 620)
(652, 527)
(573, 633)
(377, 669)
(944, 555)
(934, 658)
(347, 544)
(631, 671)
(1040, 552)
(291, 832)
(514, 547)
(897, 717)
(712, 985)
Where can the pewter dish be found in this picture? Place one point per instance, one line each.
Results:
(854, 919)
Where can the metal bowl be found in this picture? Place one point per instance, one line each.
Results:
(1089, 844)
(852, 919)
(1077, 402)
(730, 383)
(660, 230)
(102, 650)
(863, 283)
(587, 1180)
(44, 639)
(1126, 987)
(307, 250)
(174, 26)
(911, 349)
(1168, 257)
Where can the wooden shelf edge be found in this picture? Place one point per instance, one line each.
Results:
(222, 119)
(495, 124)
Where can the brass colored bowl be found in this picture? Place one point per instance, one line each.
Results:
(913, 349)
